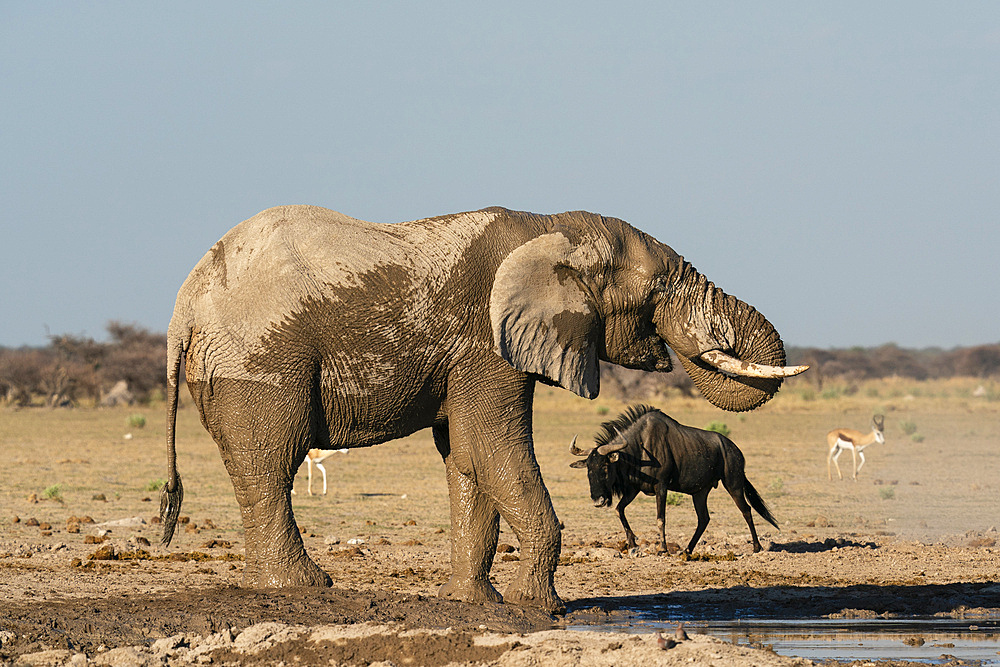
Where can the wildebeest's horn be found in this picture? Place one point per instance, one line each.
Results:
(616, 446)
(576, 451)
(729, 364)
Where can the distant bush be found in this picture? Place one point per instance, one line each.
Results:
(718, 427)
(74, 370)
(909, 428)
(856, 363)
(136, 421)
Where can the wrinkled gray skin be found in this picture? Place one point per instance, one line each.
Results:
(306, 328)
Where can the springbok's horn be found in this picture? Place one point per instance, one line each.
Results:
(576, 451)
(734, 366)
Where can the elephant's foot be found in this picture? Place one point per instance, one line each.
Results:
(300, 572)
(470, 590)
(529, 592)
(538, 595)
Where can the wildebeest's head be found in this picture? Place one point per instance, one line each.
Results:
(598, 463)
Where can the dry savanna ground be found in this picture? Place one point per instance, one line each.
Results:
(82, 577)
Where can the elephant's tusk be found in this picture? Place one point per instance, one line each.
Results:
(729, 364)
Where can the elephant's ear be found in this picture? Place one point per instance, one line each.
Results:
(543, 316)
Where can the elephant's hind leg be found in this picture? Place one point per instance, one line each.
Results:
(263, 433)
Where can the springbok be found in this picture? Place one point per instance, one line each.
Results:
(840, 439)
(315, 457)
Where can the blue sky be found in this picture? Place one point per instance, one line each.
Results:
(835, 164)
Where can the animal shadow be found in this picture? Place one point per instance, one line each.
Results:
(830, 543)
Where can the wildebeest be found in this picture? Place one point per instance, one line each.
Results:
(644, 450)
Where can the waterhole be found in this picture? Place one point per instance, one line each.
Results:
(930, 640)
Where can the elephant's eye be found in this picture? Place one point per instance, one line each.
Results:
(658, 286)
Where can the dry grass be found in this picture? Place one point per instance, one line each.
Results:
(943, 484)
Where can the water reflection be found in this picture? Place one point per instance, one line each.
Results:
(931, 640)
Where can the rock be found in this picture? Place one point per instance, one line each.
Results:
(119, 394)
(107, 552)
(130, 522)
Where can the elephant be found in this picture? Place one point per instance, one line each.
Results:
(305, 328)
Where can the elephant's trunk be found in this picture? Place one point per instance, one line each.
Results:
(732, 353)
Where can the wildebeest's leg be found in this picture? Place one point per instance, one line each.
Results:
(622, 504)
(739, 497)
(661, 514)
(472, 515)
(701, 507)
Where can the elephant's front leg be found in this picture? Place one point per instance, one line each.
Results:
(475, 528)
(491, 469)
(523, 501)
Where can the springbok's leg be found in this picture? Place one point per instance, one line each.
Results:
(622, 504)
(837, 451)
(322, 470)
(854, 457)
(309, 465)
(862, 455)
(701, 507)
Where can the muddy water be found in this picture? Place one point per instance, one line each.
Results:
(930, 640)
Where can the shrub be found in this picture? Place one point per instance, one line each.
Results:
(674, 498)
(154, 485)
(909, 428)
(719, 427)
(54, 492)
(136, 421)
(887, 493)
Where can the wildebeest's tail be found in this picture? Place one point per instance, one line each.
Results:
(757, 502)
(172, 493)
(735, 469)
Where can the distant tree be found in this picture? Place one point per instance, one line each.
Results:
(137, 356)
(982, 361)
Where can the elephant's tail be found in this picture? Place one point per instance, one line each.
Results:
(172, 493)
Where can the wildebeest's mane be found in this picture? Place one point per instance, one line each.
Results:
(610, 429)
